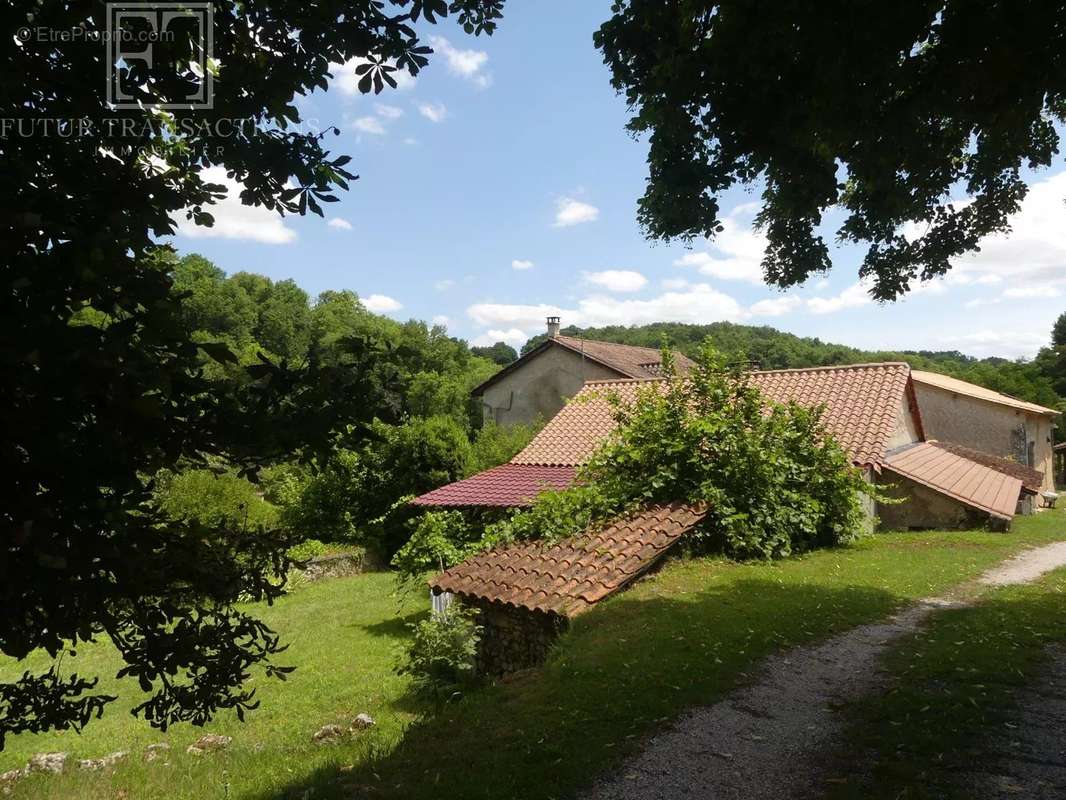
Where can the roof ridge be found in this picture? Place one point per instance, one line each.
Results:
(863, 365)
(612, 344)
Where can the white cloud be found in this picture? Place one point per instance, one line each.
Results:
(675, 283)
(617, 280)
(700, 303)
(858, 294)
(434, 112)
(1006, 342)
(466, 64)
(340, 223)
(526, 316)
(388, 112)
(775, 306)
(1032, 254)
(442, 319)
(735, 253)
(345, 79)
(521, 263)
(441, 285)
(380, 303)
(233, 219)
(982, 301)
(1037, 292)
(569, 211)
(370, 125)
(511, 336)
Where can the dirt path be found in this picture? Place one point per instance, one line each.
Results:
(763, 740)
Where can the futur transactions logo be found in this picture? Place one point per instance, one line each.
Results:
(134, 33)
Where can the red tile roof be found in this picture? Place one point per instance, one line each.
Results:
(568, 577)
(862, 406)
(967, 481)
(629, 361)
(1032, 479)
(507, 486)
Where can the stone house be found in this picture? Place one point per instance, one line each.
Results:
(963, 413)
(871, 409)
(539, 383)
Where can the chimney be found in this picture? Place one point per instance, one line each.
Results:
(553, 327)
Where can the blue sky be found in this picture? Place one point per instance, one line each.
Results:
(501, 186)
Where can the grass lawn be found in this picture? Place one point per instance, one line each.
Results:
(686, 636)
(954, 684)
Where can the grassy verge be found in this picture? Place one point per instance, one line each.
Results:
(954, 684)
(687, 637)
(684, 637)
(344, 636)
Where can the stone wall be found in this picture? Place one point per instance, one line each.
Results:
(337, 566)
(513, 638)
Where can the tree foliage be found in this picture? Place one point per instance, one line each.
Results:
(500, 353)
(103, 381)
(885, 110)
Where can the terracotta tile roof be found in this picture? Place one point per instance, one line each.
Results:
(862, 410)
(570, 576)
(980, 392)
(1032, 479)
(967, 481)
(508, 486)
(629, 361)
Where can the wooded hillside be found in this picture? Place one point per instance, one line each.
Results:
(1042, 380)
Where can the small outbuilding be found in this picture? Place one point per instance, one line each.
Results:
(527, 593)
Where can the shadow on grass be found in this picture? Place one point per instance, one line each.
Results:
(396, 626)
(622, 671)
(950, 722)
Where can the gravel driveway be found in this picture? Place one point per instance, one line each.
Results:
(764, 741)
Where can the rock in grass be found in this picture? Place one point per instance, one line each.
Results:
(10, 778)
(361, 722)
(327, 734)
(94, 764)
(208, 743)
(154, 751)
(47, 762)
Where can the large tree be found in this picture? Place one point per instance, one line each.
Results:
(886, 109)
(102, 383)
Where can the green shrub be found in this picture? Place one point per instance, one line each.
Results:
(353, 496)
(223, 500)
(442, 651)
(307, 549)
(497, 444)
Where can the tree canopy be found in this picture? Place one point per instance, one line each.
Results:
(104, 383)
(885, 110)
